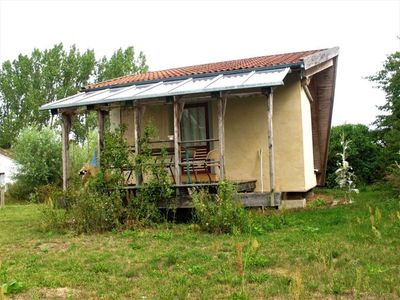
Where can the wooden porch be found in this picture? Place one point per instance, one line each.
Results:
(182, 194)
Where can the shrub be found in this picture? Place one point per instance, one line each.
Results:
(94, 211)
(156, 188)
(37, 152)
(222, 213)
(393, 176)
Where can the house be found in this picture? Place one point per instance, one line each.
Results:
(266, 120)
(8, 168)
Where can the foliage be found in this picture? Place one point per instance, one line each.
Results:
(222, 213)
(96, 207)
(156, 187)
(115, 154)
(345, 258)
(393, 176)
(44, 76)
(11, 287)
(122, 62)
(31, 81)
(95, 211)
(318, 203)
(388, 124)
(345, 177)
(38, 155)
(364, 155)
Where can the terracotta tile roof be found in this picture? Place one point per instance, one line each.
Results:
(218, 67)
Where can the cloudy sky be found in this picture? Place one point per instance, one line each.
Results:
(180, 33)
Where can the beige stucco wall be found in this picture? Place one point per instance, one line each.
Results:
(310, 179)
(246, 135)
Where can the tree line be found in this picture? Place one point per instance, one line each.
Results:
(47, 75)
(374, 153)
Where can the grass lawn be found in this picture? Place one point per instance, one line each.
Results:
(327, 252)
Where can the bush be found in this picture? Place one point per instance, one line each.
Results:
(222, 213)
(94, 211)
(37, 152)
(95, 208)
(99, 205)
(393, 176)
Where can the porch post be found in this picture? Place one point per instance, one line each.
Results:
(66, 128)
(178, 110)
(270, 100)
(138, 115)
(100, 135)
(221, 132)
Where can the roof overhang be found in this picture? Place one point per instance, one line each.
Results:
(193, 85)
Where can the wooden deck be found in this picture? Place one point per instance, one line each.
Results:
(245, 188)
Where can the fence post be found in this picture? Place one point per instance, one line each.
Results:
(2, 197)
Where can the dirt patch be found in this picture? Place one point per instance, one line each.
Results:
(58, 293)
(46, 293)
(54, 247)
(323, 200)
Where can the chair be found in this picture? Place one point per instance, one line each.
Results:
(212, 160)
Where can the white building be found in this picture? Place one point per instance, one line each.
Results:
(8, 168)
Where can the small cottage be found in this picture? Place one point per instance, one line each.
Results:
(262, 122)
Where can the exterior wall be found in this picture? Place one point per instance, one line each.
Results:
(8, 167)
(246, 137)
(309, 174)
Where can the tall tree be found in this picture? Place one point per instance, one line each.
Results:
(31, 81)
(122, 62)
(388, 124)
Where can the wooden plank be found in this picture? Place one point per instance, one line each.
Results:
(221, 107)
(66, 127)
(138, 116)
(247, 199)
(320, 57)
(271, 157)
(318, 68)
(178, 110)
(100, 135)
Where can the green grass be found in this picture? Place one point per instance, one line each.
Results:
(318, 252)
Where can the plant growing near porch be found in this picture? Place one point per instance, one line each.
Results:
(222, 213)
(157, 186)
(345, 177)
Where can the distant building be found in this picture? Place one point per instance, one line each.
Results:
(8, 168)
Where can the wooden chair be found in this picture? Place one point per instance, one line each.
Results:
(212, 160)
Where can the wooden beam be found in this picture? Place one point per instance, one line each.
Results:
(221, 108)
(318, 68)
(178, 110)
(308, 93)
(138, 115)
(320, 57)
(66, 128)
(271, 157)
(100, 135)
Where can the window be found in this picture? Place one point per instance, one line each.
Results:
(194, 123)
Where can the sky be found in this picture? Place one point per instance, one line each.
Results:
(181, 33)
